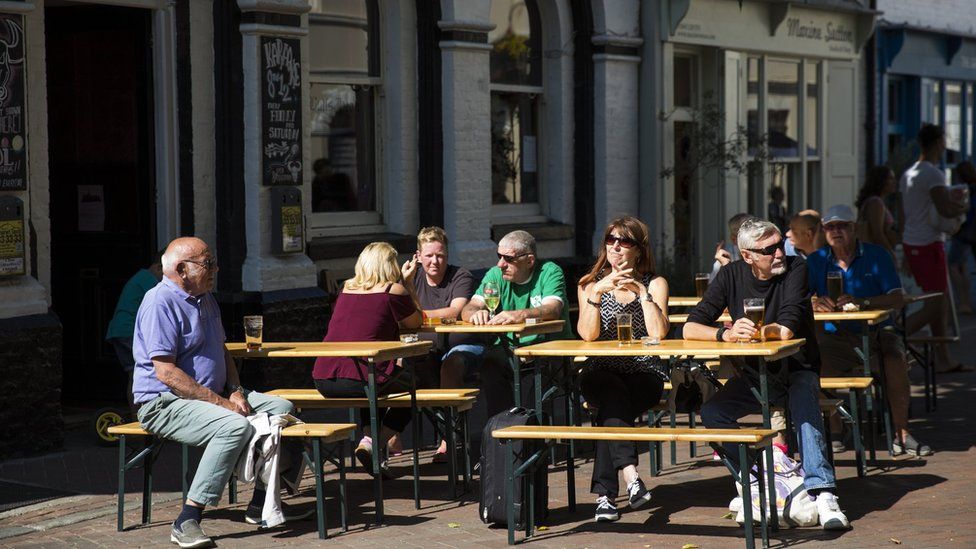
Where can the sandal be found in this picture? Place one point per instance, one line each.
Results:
(911, 447)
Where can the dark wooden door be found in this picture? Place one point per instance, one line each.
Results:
(99, 82)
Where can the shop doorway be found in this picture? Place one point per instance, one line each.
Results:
(102, 188)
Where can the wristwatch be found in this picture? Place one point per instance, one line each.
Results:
(235, 389)
(649, 298)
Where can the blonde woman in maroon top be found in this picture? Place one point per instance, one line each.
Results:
(372, 306)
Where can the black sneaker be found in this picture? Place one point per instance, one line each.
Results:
(253, 514)
(639, 494)
(606, 511)
(189, 535)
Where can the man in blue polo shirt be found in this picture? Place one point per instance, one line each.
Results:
(186, 384)
(870, 282)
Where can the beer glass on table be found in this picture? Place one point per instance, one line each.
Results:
(701, 284)
(755, 310)
(253, 332)
(492, 296)
(835, 285)
(625, 329)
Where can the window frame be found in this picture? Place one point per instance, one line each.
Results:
(526, 212)
(342, 223)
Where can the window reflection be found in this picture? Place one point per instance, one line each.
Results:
(344, 71)
(782, 108)
(516, 54)
(811, 112)
(953, 122)
(752, 104)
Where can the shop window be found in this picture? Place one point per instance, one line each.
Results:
(783, 108)
(344, 79)
(516, 99)
(953, 122)
(752, 105)
(811, 108)
(970, 120)
(685, 81)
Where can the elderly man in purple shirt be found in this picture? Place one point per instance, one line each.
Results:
(186, 384)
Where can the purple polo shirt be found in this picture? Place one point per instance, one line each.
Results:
(171, 322)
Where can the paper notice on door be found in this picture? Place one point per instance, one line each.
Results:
(91, 208)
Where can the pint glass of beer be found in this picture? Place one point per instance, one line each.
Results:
(835, 284)
(755, 310)
(253, 332)
(701, 284)
(625, 329)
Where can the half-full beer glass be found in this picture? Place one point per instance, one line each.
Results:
(253, 332)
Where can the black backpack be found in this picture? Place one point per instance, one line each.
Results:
(692, 384)
(491, 508)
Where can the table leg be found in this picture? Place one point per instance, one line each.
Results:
(415, 431)
(510, 489)
(767, 424)
(746, 496)
(319, 467)
(856, 420)
(869, 406)
(516, 364)
(374, 426)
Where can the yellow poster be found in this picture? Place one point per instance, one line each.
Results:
(291, 228)
(12, 247)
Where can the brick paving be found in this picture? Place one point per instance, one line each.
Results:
(903, 501)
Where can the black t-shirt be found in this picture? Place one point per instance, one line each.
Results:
(457, 282)
(787, 303)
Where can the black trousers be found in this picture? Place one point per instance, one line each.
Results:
(394, 418)
(497, 380)
(619, 399)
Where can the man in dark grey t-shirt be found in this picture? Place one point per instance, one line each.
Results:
(443, 290)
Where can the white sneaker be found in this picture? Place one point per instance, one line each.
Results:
(831, 517)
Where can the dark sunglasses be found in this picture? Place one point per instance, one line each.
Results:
(769, 250)
(511, 258)
(207, 264)
(624, 242)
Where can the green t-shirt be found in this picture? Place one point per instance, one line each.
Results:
(123, 322)
(547, 281)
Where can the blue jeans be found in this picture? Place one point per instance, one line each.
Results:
(736, 400)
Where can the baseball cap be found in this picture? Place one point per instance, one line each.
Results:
(838, 212)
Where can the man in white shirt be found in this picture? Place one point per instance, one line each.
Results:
(924, 188)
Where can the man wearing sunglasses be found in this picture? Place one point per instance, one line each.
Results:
(187, 388)
(526, 289)
(766, 272)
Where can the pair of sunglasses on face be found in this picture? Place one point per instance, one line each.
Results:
(769, 250)
(626, 243)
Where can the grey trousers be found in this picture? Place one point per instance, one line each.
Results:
(224, 433)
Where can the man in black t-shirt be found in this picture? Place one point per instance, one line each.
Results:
(766, 272)
(443, 290)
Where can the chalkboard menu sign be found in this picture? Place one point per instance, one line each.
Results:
(13, 119)
(281, 111)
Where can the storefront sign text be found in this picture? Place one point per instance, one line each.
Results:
(13, 131)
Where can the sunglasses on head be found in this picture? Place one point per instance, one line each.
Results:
(511, 258)
(622, 240)
(769, 250)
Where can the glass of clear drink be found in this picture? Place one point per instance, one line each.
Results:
(492, 297)
(755, 310)
(253, 332)
(625, 329)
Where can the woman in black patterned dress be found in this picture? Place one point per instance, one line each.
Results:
(621, 281)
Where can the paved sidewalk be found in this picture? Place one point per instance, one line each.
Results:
(903, 501)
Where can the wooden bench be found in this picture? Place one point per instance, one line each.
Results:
(456, 402)
(926, 359)
(317, 432)
(550, 435)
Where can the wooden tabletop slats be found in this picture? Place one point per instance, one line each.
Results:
(636, 434)
(462, 399)
(375, 350)
(845, 382)
(872, 317)
(521, 329)
(329, 432)
(771, 350)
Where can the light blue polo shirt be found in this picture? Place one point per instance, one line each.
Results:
(171, 322)
(871, 273)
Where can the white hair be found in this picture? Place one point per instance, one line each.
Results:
(753, 230)
(521, 241)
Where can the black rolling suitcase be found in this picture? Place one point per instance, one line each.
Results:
(492, 469)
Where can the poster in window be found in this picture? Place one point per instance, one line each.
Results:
(13, 122)
(281, 111)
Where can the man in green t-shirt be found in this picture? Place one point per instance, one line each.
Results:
(526, 289)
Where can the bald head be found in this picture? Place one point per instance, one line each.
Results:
(181, 249)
